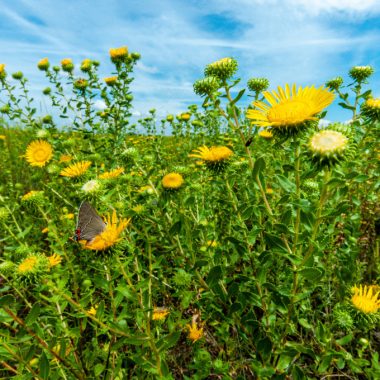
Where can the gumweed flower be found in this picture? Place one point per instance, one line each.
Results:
(195, 332)
(3, 73)
(371, 109)
(18, 75)
(32, 266)
(170, 118)
(92, 311)
(215, 157)
(110, 235)
(86, 65)
(32, 196)
(334, 84)
(258, 85)
(289, 109)
(54, 260)
(67, 65)
(206, 86)
(112, 173)
(77, 169)
(223, 69)
(265, 134)
(118, 54)
(38, 153)
(172, 181)
(366, 298)
(328, 147)
(361, 73)
(43, 64)
(160, 313)
(91, 187)
(110, 81)
(42, 133)
(185, 116)
(65, 158)
(81, 84)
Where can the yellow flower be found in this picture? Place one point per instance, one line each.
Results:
(185, 116)
(110, 235)
(290, 107)
(69, 216)
(373, 103)
(172, 181)
(31, 194)
(38, 153)
(86, 65)
(265, 134)
(3, 73)
(118, 54)
(269, 190)
(366, 299)
(76, 170)
(214, 154)
(45, 230)
(67, 64)
(195, 333)
(146, 189)
(43, 64)
(28, 264)
(92, 311)
(138, 209)
(112, 174)
(110, 81)
(371, 108)
(160, 313)
(54, 260)
(3, 137)
(212, 243)
(65, 158)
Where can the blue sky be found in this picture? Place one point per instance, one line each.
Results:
(288, 41)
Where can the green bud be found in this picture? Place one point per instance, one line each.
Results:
(17, 75)
(80, 84)
(5, 109)
(7, 268)
(206, 86)
(182, 278)
(335, 83)
(4, 213)
(258, 85)
(47, 119)
(223, 69)
(46, 91)
(361, 73)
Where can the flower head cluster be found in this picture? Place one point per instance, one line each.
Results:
(172, 181)
(215, 157)
(81, 84)
(366, 298)
(335, 83)
(289, 108)
(18, 75)
(328, 147)
(371, 109)
(118, 54)
(160, 313)
(54, 260)
(266, 134)
(33, 197)
(195, 332)
(258, 85)
(32, 267)
(223, 69)
(361, 73)
(76, 170)
(43, 64)
(91, 187)
(38, 153)
(111, 234)
(206, 86)
(112, 173)
(3, 73)
(110, 81)
(86, 65)
(67, 65)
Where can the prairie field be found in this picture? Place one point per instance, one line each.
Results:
(230, 241)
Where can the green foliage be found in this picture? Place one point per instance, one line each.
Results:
(243, 272)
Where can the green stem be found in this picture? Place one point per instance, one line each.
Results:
(298, 186)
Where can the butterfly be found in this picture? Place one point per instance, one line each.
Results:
(89, 224)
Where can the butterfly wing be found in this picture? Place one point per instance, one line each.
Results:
(90, 224)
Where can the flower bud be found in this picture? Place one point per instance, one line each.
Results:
(86, 65)
(46, 91)
(118, 54)
(371, 109)
(110, 81)
(18, 75)
(361, 73)
(67, 65)
(80, 84)
(206, 86)
(335, 83)
(223, 69)
(258, 85)
(3, 73)
(47, 119)
(5, 109)
(170, 118)
(43, 64)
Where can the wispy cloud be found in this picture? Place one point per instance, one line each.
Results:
(301, 41)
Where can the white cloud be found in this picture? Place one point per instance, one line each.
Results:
(100, 104)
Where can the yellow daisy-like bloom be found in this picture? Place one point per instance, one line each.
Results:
(371, 108)
(214, 154)
(76, 170)
(110, 235)
(328, 142)
(110, 81)
(373, 103)
(43, 64)
(3, 137)
(366, 299)
(28, 264)
(265, 134)
(172, 181)
(67, 64)
(112, 174)
(195, 333)
(185, 116)
(290, 107)
(92, 311)
(54, 260)
(160, 313)
(38, 153)
(65, 158)
(30, 195)
(118, 54)
(69, 216)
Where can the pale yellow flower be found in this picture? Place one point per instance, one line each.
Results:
(38, 153)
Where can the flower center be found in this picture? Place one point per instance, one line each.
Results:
(291, 111)
(328, 141)
(41, 155)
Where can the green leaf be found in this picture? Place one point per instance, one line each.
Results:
(286, 184)
(346, 339)
(346, 106)
(311, 274)
(168, 341)
(137, 340)
(258, 167)
(33, 314)
(214, 276)
(7, 300)
(98, 369)
(275, 242)
(44, 366)
(239, 95)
